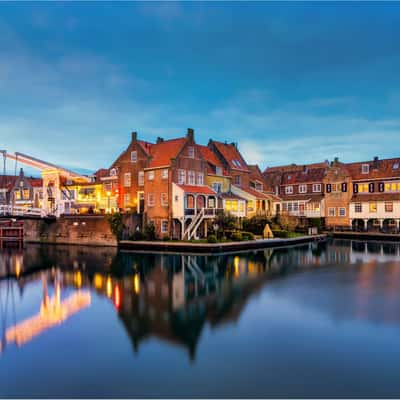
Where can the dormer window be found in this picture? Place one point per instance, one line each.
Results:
(302, 188)
(218, 171)
(113, 172)
(191, 151)
(365, 169)
(396, 166)
(134, 156)
(288, 189)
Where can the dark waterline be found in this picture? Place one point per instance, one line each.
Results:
(316, 320)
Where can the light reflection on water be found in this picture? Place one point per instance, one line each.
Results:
(312, 320)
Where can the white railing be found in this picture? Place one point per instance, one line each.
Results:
(19, 211)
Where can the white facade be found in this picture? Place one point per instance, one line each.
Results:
(368, 207)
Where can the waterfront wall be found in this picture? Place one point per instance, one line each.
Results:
(82, 230)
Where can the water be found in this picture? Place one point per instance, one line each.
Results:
(309, 321)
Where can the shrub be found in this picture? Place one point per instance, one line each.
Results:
(212, 239)
(137, 235)
(116, 225)
(255, 224)
(280, 233)
(316, 222)
(236, 237)
(165, 238)
(247, 236)
(150, 232)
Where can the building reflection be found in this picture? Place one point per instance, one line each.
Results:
(172, 297)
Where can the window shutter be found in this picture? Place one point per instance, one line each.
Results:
(328, 187)
(355, 187)
(371, 187)
(381, 187)
(344, 187)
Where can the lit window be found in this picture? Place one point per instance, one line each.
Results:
(127, 179)
(26, 194)
(164, 226)
(289, 189)
(150, 176)
(191, 151)
(331, 211)
(164, 199)
(200, 179)
(363, 188)
(303, 189)
(358, 207)
(365, 169)
(164, 174)
(134, 156)
(241, 205)
(127, 199)
(388, 207)
(231, 205)
(141, 178)
(150, 198)
(181, 176)
(342, 212)
(17, 195)
(316, 187)
(372, 207)
(250, 205)
(191, 177)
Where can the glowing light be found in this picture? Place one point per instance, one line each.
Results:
(236, 266)
(136, 284)
(98, 281)
(108, 193)
(109, 287)
(117, 297)
(17, 268)
(78, 279)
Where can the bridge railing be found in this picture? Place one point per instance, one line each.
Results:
(19, 211)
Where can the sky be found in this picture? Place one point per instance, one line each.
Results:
(289, 81)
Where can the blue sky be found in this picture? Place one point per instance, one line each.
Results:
(291, 82)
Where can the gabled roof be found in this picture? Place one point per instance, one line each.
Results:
(231, 155)
(163, 152)
(255, 173)
(146, 146)
(305, 175)
(294, 167)
(360, 197)
(209, 156)
(7, 181)
(378, 169)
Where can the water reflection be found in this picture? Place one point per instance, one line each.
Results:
(172, 297)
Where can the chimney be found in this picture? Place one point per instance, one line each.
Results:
(305, 169)
(159, 140)
(21, 172)
(376, 162)
(336, 160)
(134, 136)
(190, 134)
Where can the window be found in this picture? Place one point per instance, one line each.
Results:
(17, 195)
(181, 176)
(150, 198)
(113, 172)
(303, 189)
(250, 205)
(363, 188)
(164, 199)
(342, 212)
(259, 186)
(365, 169)
(141, 178)
(295, 206)
(236, 163)
(26, 194)
(150, 176)
(191, 177)
(331, 211)
(211, 202)
(237, 179)
(335, 187)
(388, 207)
(231, 205)
(191, 151)
(241, 205)
(396, 165)
(289, 189)
(358, 207)
(316, 187)
(218, 170)
(164, 226)
(289, 207)
(127, 179)
(372, 207)
(164, 174)
(200, 179)
(217, 187)
(134, 156)
(127, 199)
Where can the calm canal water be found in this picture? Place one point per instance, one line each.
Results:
(314, 320)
